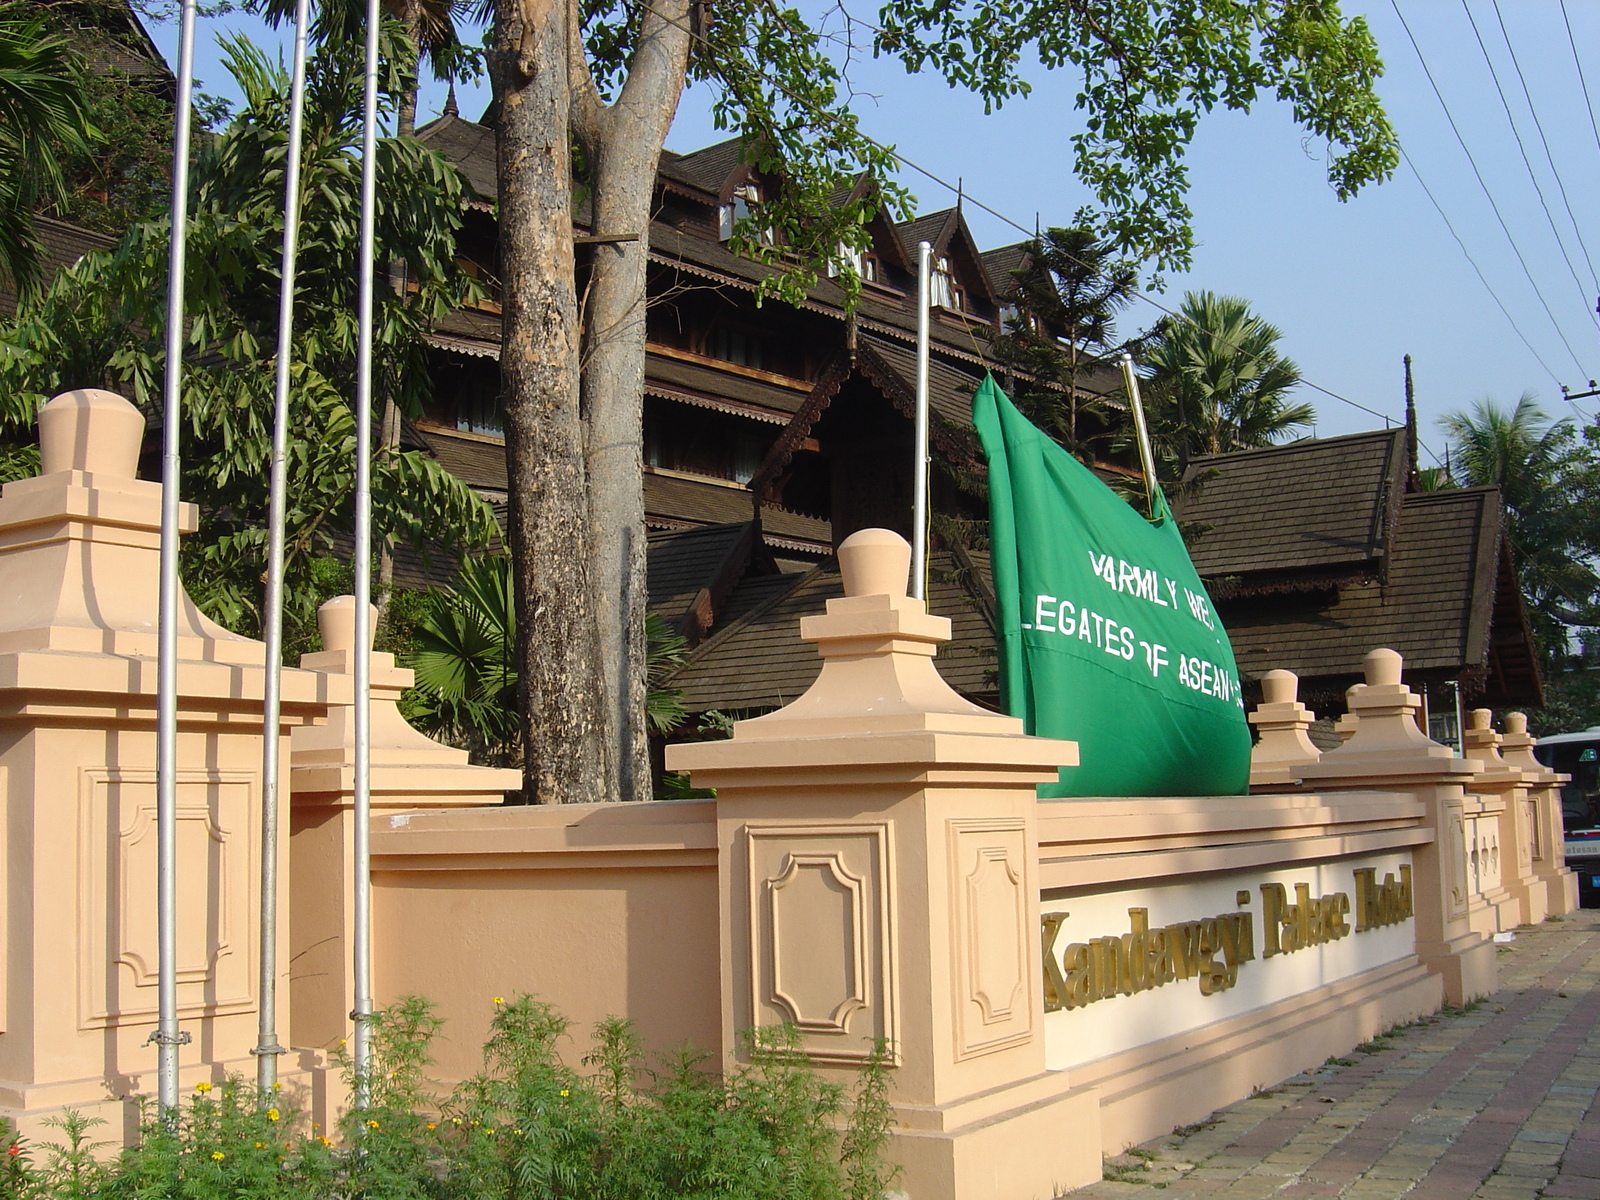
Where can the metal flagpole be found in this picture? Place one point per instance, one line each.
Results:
(1131, 382)
(919, 501)
(167, 1036)
(361, 1014)
(267, 1048)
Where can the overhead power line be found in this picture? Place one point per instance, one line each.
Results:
(1482, 278)
(1478, 174)
(1522, 149)
(1527, 95)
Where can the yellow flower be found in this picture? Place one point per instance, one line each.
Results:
(499, 999)
(273, 1114)
(490, 1132)
(371, 1124)
(430, 1125)
(325, 1141)
(218, 1156)
(565, 1093)
(277, 1087)
(202, 1088)
(455, 1121)
(516, 1133)
(261, 1145)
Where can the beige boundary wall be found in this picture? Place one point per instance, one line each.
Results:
(1057, 979)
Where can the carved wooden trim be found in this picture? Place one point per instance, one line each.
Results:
(799, 426)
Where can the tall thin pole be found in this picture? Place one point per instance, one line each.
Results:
(361, 974)
(267, 1048)
(919, 495)
(167, 1037)
(1146, 458)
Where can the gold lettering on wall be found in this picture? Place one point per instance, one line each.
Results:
(1379, 904)
(1212, 949)
(1209, 951)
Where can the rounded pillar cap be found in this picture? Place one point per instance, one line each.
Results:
(1517, 724)
(1383, 668)
(1482, 718)
(1280, 687)
(875, 562)
(90, 430)
(336, 621)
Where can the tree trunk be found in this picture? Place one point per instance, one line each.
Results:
(566, 755)
(406, 118)
(624, 145)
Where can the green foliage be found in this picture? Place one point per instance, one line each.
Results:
(44, 112)
(465, 658)
(1547, 479)
(666, 651)
(527, 1125)
(125, 174)
(530, 1125)
(101, 324)
(1065, 301)
(463, 649)
(1150, 71)
(1217, 381)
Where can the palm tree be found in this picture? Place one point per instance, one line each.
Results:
(1218, 382)
(1061, 326)
(44, 113)
(465, 660)
(1536, 463)
(430, 27)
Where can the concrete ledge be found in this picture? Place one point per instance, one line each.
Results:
(1035, 1151)
(1149, 1091)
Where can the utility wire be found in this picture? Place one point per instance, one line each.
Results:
(968, 198)
(1522, 149)
(1527, 95)
(1505, 228)
(1588, 104)
(1482, 278)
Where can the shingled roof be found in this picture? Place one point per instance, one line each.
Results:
(756, 660)
(1449, 605)
(470, 147)
(1312, 514)
(62, 246)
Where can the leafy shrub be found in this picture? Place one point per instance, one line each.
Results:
(527, 1127)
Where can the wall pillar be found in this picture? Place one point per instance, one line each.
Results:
(1547, 830)
(409, 772)
(79, 584)
(877, 859)
(1285, 741)
(1387, 751)
(1521, 897)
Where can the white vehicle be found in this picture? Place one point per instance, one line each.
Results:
(1578, 755)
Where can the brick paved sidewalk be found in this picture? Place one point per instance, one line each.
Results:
(1492, 1102)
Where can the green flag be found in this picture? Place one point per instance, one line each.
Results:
(1107, 636)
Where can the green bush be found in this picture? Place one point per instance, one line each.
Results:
(527, 1127)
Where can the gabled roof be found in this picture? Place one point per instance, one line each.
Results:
(1443, 606)
(1311, 514)
(690, 573)
(62, 245)
(470, 147)
(1001, 262)
(892, 366)
(756, 660)
(947, 233)
(715, 169)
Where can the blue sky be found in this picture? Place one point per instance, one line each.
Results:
(1352, 286)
